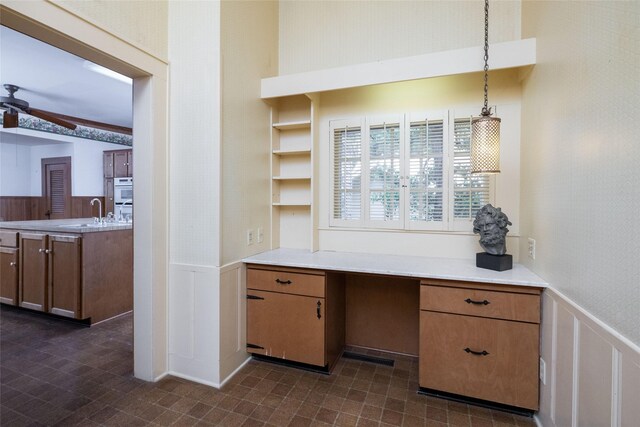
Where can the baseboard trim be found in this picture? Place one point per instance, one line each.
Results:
(232, 374)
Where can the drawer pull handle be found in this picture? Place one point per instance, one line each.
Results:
(318, 309)
(283, 282)
(254, 346)
(254, 297)
(477, 353)
(470, 301)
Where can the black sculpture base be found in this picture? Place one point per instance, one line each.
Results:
(494, 262)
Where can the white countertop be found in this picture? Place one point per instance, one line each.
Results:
(73, 225)
(397, 265)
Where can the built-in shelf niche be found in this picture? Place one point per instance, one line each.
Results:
(291, 172)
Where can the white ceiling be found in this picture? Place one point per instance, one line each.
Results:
(54, 80)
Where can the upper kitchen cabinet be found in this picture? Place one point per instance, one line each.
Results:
(118, 163)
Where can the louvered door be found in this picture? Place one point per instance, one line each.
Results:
(57, 187)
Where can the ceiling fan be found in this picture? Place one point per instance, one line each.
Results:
(13, 106)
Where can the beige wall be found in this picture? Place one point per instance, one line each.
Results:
(324, 34)
(580, 155)
(141, 22)
(249, 38)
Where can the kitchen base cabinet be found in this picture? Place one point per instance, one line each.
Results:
(64, 275)
(296, 315)
(9, 271)
(480, 342)
(33, 271)
(86, 276)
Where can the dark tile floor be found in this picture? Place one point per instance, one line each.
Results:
(53, 372)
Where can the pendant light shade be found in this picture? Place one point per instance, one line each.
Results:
(485, 130)
(485, 145)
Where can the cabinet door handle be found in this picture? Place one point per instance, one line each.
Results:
(318, 310)
(283, 282)
(42, 251)
(470, 301)
(12, 264)
(254, 297)
(477, 353)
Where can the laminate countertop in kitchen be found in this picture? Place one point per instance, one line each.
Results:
(73, 225)
(397, 265)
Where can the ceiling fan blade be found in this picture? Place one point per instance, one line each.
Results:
(9, 120)
(53, 119)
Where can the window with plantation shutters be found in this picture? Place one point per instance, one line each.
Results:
(383, 166)
(406, 172)
(426, 171)
(470, 192)
(347, 171)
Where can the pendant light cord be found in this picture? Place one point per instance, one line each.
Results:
(485, 110)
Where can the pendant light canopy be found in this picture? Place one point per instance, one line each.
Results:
(485, 130)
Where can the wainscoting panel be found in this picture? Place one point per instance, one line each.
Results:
(232, 320)
(194, 322)
(593, 373)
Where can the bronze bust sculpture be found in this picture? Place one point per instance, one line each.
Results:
(491, 223)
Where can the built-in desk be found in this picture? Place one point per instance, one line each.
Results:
(476, 331)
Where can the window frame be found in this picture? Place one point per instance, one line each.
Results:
(418, 117)
(449, 223)
(333, 126)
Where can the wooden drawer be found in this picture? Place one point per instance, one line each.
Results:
(507, 373)
(9, 239)
(287, 281)
(480, 302)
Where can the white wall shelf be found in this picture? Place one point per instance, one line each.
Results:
(291, 152)
(512, 54)
(302, 124)
(291, 178)
(292, 204)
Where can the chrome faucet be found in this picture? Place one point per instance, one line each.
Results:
(130, 201)
(99, 207)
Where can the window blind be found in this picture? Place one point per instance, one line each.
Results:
(347, 170)
(470, 192)
(426, 170)
(384, 172)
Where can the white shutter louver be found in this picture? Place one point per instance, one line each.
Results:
(426, 170)
(471, 192)
(384, 172)
(347, 173)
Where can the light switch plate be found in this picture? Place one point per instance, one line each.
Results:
(249, 237)
(260, 234)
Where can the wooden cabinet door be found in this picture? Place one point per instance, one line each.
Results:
(286, 326)
(64, 275)
(130, 163)
(120, 164)
(9, 275)
(33, 271)
(107, 164)
(108, 196)
(489, 359)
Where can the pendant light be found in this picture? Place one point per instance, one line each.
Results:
(485, 130)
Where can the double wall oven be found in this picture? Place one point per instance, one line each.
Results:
(123, 198)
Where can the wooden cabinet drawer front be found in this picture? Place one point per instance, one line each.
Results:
(9, 239)
(478, 302)
(507, 374)
(287, 282)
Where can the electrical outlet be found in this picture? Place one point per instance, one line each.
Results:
(532, 248)
(543, 371)
(249, 237)
(260, 234)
